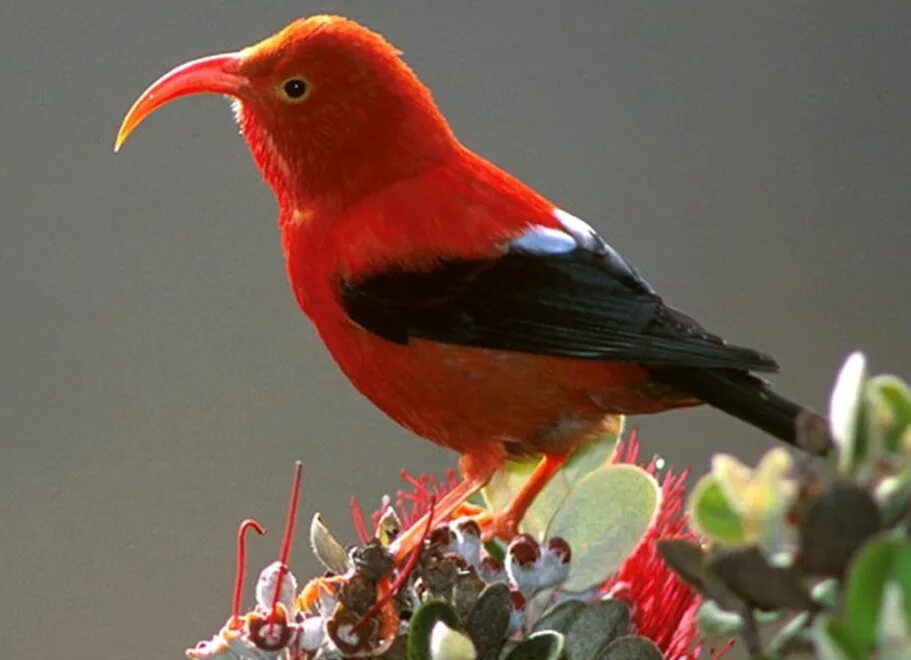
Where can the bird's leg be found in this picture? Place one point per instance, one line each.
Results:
(476, 472)
(504, 524)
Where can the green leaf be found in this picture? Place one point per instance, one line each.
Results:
(506, 483)
(595, 626)
(603, 519)
(760, 500)
(716, 623)
(467, 587)
(894, 493)
(631, 647)
(830, 643)
(746, 572)
(542, 645)
(835, 524)
(879, 563)
(794, 635)
(889, 411)
(893, 634)
(826, 593)
(421, 627)
(559, 616)
(686, 557)
(584, 460)
(713, 515)
(326, 548)
(488, 621)
(691, 562)
(449, 644)
(496, 550)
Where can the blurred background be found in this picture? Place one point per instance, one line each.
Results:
(157, 380)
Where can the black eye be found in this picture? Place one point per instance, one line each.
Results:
(295, 88)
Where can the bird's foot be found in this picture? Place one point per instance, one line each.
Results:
(451, 505)
(503, 525)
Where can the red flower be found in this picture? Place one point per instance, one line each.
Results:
(409, 507)
(663, 606)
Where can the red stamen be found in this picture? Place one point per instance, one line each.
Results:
(403, 575)
(288, 537)
(664, 607)
(249, 523)
(410, 506)
(418, 484)
(628, 451)
(725, 648)
(357, 514)
(451, 479)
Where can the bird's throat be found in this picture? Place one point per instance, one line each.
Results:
(305, 167)
(269, 160)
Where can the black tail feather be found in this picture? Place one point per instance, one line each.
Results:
(749, 398)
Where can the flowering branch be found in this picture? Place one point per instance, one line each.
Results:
(823, 544)
(607, 565)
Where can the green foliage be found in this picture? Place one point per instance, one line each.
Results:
(570, 630)
(879, 580)
(600, 510)
(738, 505)
(603, 518)
(594, 628)
(819, 547)
(325, 547)
(504, 485)
(449, 644)
(631, 647)
(717, 623)
(826, 542)
(713, 515)
(544, 645)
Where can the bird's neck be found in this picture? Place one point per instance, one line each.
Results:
(317, 168)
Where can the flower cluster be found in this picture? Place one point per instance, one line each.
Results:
(821, 545)
(456, 596)
(664, 606)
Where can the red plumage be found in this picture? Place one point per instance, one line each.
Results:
(512, 398)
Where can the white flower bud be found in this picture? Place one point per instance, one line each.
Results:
(449, 644)
(265, 587)
(313, 632)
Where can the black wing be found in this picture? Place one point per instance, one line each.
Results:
(582, 303)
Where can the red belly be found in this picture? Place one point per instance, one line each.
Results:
(466, 398)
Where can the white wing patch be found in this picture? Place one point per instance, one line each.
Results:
(576, 234)
(544, 240)
(585, 237)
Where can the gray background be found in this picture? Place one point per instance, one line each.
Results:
(157, 379)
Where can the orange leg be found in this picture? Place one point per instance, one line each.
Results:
(476, 472)
(505, 524)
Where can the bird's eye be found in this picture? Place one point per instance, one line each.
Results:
(294, 89)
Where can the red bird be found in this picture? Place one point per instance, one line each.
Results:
(464, 304)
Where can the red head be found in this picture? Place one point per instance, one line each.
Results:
(326, 106)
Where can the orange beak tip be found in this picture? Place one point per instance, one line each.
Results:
(217, 74)
(126, 128)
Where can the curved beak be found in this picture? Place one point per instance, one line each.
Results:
(216, 74)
